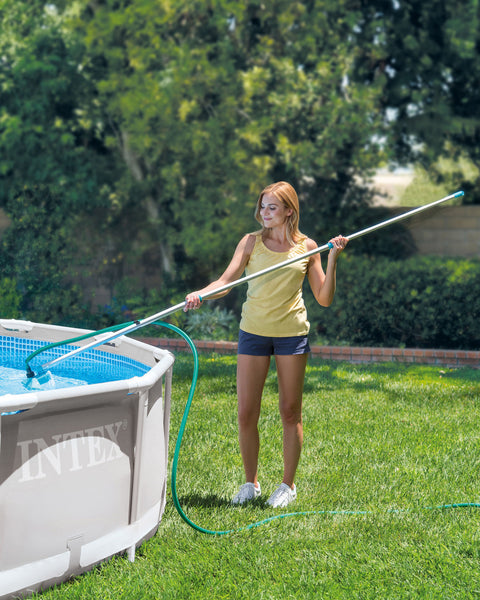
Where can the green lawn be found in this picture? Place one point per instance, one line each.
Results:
(389, 441)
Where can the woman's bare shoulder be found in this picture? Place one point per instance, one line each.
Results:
(248, 241)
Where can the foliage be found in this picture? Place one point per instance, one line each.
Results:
(129, 303)
(45, 134)
(52, 161)
(423, 302)
(36, 253)
(212, 324)
(9, 299)
(157, 124)
(207, 103)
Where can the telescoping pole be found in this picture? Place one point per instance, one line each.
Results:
(106, 338)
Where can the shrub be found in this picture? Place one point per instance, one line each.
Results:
(212, 324)
(423, 302)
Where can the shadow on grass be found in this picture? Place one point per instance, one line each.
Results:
(330, 374)
(213, 501)
(197, 501)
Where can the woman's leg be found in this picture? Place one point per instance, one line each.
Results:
(251, 374)
(291, 375)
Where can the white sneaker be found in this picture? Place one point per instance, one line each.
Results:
(282, 496)
(248, 491)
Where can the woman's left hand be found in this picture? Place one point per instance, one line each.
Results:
(338, 244)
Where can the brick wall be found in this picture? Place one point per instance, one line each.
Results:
(445, 358)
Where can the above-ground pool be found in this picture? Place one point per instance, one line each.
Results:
(83, 467)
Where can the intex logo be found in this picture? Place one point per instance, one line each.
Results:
(70, 451)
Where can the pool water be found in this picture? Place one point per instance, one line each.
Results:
(89, 367)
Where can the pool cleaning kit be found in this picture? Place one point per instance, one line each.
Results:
(109, 334)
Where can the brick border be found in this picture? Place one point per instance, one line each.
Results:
(352, 354)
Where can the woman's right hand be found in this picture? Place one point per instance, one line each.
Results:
(192, 301)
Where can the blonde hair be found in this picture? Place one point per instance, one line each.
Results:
(286, 194)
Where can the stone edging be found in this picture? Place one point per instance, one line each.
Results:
(446, 358)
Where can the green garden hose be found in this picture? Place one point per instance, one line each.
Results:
(178, 444)
(181, 432)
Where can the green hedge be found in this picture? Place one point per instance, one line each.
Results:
(420, 302)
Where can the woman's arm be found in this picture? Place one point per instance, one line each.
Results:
(323, 284)
(232, 273)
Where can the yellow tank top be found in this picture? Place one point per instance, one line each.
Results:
(274, 306)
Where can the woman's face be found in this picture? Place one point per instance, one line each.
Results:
(273, 212)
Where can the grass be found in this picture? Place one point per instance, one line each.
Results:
(389, 439)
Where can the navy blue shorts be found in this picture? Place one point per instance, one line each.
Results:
(259, 345)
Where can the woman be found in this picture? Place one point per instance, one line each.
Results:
(274, 321)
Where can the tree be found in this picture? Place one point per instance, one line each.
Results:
(426, 56)
(53, 160)
(207, 102)
(46, 133)
(156, 124)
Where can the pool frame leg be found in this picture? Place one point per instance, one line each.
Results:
(141, 422)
